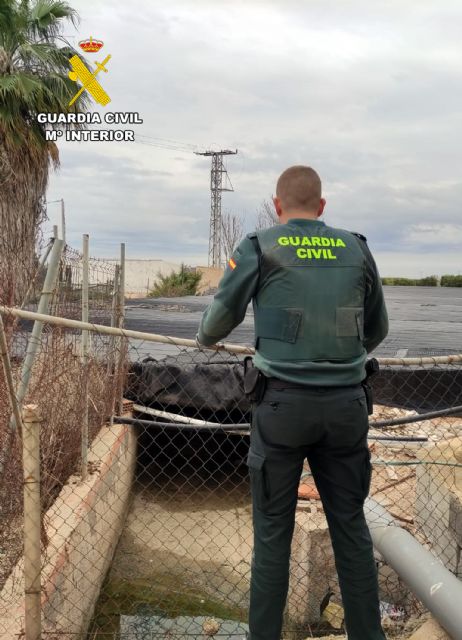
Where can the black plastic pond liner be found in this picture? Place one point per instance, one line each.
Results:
(204, 385)
(209, 386)
(422, 389)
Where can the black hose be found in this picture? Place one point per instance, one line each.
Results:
(400, 438)
(380, 424)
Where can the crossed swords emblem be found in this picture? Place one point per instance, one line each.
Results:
(88, 80)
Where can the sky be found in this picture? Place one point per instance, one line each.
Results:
(367, 93)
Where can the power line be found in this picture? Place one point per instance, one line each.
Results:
(154, 140)
(160, 145)
(218, 173)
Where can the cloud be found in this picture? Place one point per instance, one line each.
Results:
(369, 94)
(436, 235)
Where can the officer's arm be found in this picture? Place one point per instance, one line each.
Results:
(375, 311)
(236, 289)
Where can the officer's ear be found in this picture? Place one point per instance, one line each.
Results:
(277, 206)
(322, 204)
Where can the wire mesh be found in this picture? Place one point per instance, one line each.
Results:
(157, 541)
(56, 387)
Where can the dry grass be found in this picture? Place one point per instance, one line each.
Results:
(57, 387)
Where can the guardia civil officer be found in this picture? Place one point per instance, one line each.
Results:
(318, 309)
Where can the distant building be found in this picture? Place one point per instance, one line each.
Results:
(141, 275)
(211, 277)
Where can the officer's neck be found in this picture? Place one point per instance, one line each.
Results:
(298, 215)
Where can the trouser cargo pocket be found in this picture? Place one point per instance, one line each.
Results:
(258, 479)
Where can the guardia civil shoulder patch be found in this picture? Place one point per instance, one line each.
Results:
(232, 264)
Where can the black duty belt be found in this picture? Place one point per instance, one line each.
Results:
(276, 383)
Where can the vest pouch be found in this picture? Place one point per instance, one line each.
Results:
(350, 322)
(278, 324)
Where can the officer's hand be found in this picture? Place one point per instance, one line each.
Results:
(218, 345)
(199, 345)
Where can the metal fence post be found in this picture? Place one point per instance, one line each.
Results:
(114, 317)
(85, 349)
(37, 273)
(43, 305)
(121, 326)
(111, 362)
(122, 286)
(32, 521)
(63, 221)
(34, 340)
(115, 298)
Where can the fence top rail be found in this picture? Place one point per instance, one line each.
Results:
(185, 342)
(115, 331)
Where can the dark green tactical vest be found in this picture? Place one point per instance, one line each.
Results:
(310, 301)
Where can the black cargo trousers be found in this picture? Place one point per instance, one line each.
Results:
(328, 426)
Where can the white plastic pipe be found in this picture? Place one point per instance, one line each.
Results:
(175, 417)
(437, 588)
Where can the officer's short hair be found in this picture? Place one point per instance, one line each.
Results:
(299, 187)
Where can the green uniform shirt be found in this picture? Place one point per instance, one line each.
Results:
(304, 248)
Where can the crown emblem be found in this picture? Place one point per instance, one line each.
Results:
(91, 46)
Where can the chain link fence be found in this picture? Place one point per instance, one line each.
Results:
(156, 540)
(46, 368)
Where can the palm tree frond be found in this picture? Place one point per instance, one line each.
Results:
(41, 57)
(7, 21)
(46, 16)
(34, 68)
(21, 87)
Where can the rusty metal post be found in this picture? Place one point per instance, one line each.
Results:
(31, 420)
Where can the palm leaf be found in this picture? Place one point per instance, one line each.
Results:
(22, 88)
(47, 15)
(38, 72)
(41, 57)
(7, 21)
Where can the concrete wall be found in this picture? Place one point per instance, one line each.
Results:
(430, 630)
(211, 276)
(439, 500)
(312, 567)
(141, 275)
(83, 527)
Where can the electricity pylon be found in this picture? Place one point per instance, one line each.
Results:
(217, 174)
